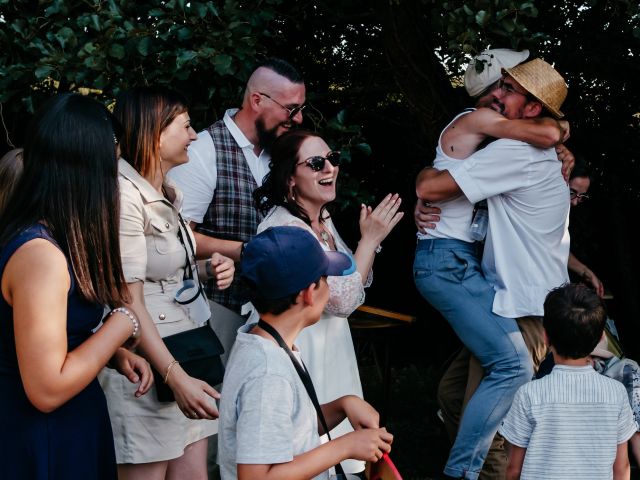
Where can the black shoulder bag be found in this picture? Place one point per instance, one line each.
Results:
(197, 350)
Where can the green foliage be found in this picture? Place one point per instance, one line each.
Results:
(204, 48)
(473, 25)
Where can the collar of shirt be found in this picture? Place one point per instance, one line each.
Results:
(236, 133)
(148, 193)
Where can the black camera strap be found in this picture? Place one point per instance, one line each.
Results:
(304, 376)
(191, 263)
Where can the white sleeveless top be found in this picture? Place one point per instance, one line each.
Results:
(457, 212)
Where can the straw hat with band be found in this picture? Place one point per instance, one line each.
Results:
(543, 82)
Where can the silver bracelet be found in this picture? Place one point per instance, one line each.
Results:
(378, 249)
(134, 320)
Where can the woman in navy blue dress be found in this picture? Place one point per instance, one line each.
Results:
(59, 265)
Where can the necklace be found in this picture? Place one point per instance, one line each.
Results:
(324, 235)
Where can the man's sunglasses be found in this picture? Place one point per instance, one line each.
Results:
(292, 111)
(316, 163)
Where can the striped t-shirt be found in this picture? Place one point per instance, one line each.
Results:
(571, 422)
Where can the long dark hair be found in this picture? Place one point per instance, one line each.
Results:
(70, 183)
(275, 187)
(144, 112)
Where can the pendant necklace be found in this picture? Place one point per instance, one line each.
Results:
(324, 235)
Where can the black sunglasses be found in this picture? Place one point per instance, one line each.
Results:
(316, 163)
(292, 111)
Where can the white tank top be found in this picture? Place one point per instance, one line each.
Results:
(456, 212)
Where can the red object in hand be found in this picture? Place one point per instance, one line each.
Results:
(383, 469)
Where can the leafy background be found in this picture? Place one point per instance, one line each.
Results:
(383, 77)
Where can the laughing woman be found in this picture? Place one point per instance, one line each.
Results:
(296, 192)
(158, 440)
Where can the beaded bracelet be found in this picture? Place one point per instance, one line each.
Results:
(134, 320)
(171, 364)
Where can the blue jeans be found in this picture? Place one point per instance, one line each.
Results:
(448, 275)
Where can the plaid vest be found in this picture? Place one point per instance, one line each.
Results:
(232, 214)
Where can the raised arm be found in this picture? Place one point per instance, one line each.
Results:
(375, 225)
(541, 132)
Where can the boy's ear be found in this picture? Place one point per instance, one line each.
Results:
(307, 295)
(545, 337)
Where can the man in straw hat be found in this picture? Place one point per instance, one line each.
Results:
(525, 254)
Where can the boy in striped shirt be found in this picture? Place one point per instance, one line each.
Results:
(573, 423)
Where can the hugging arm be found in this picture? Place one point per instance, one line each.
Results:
(436, 185)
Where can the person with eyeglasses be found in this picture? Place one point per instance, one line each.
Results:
(229, 160)
(524, 255)
(297, 191)
(579, 183)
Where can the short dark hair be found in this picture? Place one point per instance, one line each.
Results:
(274, 306)
(282, 68)
(574, 319)
(581, 168)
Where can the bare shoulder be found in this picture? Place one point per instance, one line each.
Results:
(38, 262)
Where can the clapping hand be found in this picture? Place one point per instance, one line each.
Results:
(375, 224)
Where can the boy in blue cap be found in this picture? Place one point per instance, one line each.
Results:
(268, 425)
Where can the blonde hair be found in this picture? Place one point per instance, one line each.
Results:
(10, 172)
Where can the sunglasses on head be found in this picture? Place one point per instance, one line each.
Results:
(316, 163)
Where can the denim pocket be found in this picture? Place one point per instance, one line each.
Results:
(422, 265)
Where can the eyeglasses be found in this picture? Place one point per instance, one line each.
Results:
(581, 197)
(316, 163)
(292, 111)
(508, 88)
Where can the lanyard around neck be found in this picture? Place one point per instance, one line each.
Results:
(304, 376)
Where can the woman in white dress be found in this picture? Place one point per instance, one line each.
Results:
(301, 183)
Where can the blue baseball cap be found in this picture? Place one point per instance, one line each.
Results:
(282, 261)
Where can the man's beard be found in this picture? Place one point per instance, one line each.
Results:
(266, 137)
